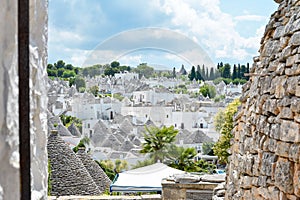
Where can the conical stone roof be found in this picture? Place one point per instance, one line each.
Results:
(68, 175)
(96, 172)
(197, 137)
(63, 131)
(74, 130)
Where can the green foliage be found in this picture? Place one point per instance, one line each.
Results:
(219, 98)
(223, 144)
(219, 120)
(108, 168)
(181, 89)
(111, 169)
(93, 71)
(208, 90)
(121, 165)
(205, 167)
(68, 74)
(49, 178)
(207, 148)
(192, 75)
(182, 158)
(94, 90)
(82, 143)
(79, 82)
(68, 120)
(157, 141)
(143, 163)
(144, 70)
(61, 70)
(118, 96)
(239, 81)
(114, 68)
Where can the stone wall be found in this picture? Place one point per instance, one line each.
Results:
(9, 117)
(266, 147)
(190, 187)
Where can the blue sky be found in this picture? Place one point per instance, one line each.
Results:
(162, 33)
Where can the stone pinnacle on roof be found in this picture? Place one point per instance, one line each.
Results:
(96, 172)
(68, 175)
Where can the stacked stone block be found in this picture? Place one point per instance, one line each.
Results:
(264, 161)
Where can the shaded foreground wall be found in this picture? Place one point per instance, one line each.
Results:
(9, 117)
(266, 148)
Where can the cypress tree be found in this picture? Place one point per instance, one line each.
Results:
(198, 73)
(234, 72)
(212, 74)
(203, 73)
(239, 71)
(192, 75)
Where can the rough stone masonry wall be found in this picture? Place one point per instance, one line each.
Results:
(266, 148)
(9, 117)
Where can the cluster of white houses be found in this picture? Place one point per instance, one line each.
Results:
(145, 101)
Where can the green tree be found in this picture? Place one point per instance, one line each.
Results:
(239, 71)
(82, 143)
(115, 64)
(204, 77)
(223, 144)
(79, 82)
(192, 75)
(52, 72)
(243, 71)
(157, 141)
(144, 70)
(205, 167)
(143, 163)
(207, 148)
(208, 90)
(198, 74)
(110, 71)
(174, 73)
(68, 74)
(226, 71)
(69, 67)
(94, 90)
(59, 64)
(121, 165)
(211, 74)
(108, 167)
(234, 72)
(182, 158)
(60, 72)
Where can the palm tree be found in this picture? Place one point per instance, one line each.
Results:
(157, 141)
(182, 158)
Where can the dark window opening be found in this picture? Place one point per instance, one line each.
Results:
(111, 115)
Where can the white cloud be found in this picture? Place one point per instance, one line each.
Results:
(250, 18)
(213, 28)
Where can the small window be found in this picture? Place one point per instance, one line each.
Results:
(201, 125)
(89, 126)
(182, 125)
(167, 116)
(175, 125)
(146, 115)
(91, 133)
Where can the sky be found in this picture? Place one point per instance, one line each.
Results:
(162, 33)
